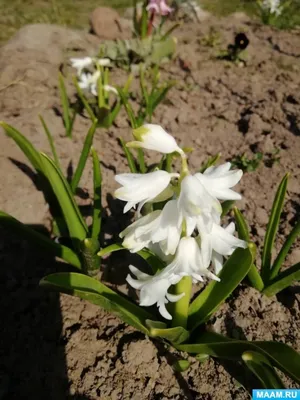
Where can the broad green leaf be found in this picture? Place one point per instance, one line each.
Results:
(283, 280)
(233, 272)
(25, 145)
(244, 234)
(272, 228)
(284, 250)
(84, 156)
(280, 355)
(97, 207)
(130, 159)
(210, 162)
(181, 365)
(51, 141)
(155, 263)
(95, 292)
(58, 250)
(173, 335)
(65, 105)
(262, 369)
(76, 225)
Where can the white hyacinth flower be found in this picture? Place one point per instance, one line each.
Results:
(194, 200)
(188, 261)
(88, 81)
(218, 242)
(111, 89)
(103, 62)
(81, 63)
(154, 289)
(273, 6)
(219, 180)
(160, 226)
(142, 188)
(154, 137)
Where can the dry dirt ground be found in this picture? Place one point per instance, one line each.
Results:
(59, 347)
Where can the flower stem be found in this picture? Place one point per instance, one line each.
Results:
(181, 307)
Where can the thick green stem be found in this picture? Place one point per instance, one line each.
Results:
(181, 307)
(255, 278)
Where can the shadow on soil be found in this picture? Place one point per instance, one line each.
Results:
(32, 352)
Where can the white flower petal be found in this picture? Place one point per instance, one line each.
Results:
(154, 137)
(217, 262)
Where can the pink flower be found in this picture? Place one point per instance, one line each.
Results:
(159, 7)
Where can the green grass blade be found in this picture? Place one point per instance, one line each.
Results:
(76, 225)
(130, 158)
(244, 234)
(279, 355)
(284, 250)
(283, 280)
(65, 105)
(97, 207)
(51, 141)
(84, 156)
(272, 228)
(84, 101)
(128, 108)
(25, 145)
(97, 293)
(160, 96)
(261, 367)
(233, 272)
(58, 250)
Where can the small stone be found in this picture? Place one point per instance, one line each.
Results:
(106, 23)
(261, 216)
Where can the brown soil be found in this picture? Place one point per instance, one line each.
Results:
(58, 347)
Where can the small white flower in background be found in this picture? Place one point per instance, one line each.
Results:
(88, 81)
(192, 208)
(218, 181)
(142, 188)
(111, 89)
(103, 62)
(273, 6)
(154, 137)
(81, 63)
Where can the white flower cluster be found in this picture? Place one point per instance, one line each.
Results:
(87, 80)
(272, 6)
(187, 232)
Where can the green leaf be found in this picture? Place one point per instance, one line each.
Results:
(241, 225)
(284, 250)
(130, 159)
(262, 369)
(95, 292)
(128, 109)
(25, 145)
(51, 141)
(58, 250)
(97, 207)
(272, 228)
(233, 272)
(65, 105)
(283, 280)
(244, 234)
(155, 263)
(173, 335)
(210, 162)
(226, 207)
(76, 225)
(84, 101)
(84, 156)
(181, 365)
(280, 355)
(160, 95)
